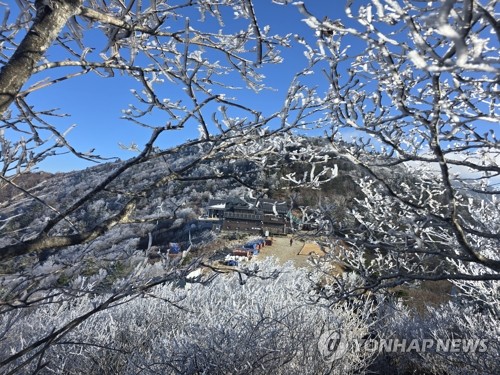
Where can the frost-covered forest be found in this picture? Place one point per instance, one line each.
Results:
(89, 304)
(378, 130)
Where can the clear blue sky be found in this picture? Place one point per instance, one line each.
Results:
(95, 103)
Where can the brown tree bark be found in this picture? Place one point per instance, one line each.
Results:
(48, 23)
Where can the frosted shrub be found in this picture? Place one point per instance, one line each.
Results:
(476, 332)
(267, 325)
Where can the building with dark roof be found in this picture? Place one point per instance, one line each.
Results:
(264, 216)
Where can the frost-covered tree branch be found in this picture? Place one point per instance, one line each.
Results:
(415, 85)
(189, 57)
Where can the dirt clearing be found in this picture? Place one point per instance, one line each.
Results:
(282, 251)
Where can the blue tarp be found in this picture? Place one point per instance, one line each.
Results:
(251, 245)
(175, 248)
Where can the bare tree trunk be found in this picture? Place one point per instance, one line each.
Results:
(48, 23)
